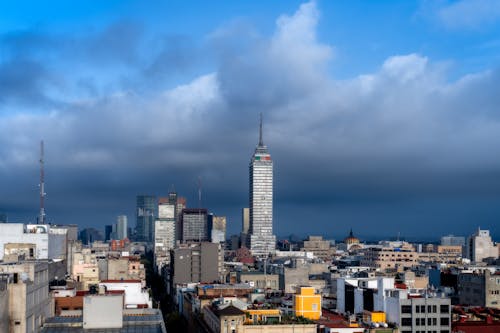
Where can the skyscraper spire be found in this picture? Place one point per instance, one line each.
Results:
(261, 142)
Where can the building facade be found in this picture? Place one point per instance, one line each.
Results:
(479, 289)
(480, 246)
(197, 262)
(195, 225)
(121, 227)
(261, 241)
(146, 215)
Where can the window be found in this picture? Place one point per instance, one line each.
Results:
(417, 322)
(422, 308)
(429, 321)
(434, 308)
(405, 321)
(445, 308)
(405, 308)
(445, 321)
(429, 308)
(445, 331)
(417, 308)
(434, 321)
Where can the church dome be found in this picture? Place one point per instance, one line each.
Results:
(351, 239)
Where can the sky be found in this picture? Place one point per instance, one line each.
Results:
(383, 117)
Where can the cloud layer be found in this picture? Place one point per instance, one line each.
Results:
(399, 149)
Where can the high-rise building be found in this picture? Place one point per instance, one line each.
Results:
(261, 241)
(165, 234)
(195, 225)
(480, 246)
(146, 215)
(108, 229)
(181, 204)
(245, 226)
(121, 227)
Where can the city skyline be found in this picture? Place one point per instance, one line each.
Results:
(382, 118)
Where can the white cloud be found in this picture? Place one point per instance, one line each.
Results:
(405, 116)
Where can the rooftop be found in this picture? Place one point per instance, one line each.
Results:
(150, 321)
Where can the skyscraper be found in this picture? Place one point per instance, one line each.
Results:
(146, 213)
(261, 241)
(121, 227)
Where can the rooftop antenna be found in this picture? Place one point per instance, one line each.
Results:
(261, 142)
(199, 206)
(41, 217)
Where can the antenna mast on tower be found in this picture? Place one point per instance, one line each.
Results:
(41, 217)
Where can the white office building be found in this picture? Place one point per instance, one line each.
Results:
(480, 246)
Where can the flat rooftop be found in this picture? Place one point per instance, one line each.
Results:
(152, 322)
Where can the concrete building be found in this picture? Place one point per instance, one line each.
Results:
(261, 240)
(121, 227)
(48, 244)
(196, 262)
(307, 303)
(195, 225)
(418, 312)
(135, 294)
(146, 212)
(4, 304)
(480, 246)
(479, 288)
(260, 280)
(389, 258)
(85, 268)
(320, 247)
(355, 295)
(28, 299)
(245, 226)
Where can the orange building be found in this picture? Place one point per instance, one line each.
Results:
(307, 304)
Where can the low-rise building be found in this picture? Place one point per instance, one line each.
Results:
(307, 304)
(479, 288)
(413, 312)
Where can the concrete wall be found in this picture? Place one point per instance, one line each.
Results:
(117, 269)
(4, 307)
(210, 262)
(103, 311)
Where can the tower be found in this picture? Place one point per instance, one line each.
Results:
(261, 241)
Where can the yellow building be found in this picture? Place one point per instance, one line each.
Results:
(254, 316)
(307, 304)
(374, 317)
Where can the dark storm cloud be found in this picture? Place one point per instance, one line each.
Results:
(400, 149)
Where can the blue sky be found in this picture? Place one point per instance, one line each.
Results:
(380, 116)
